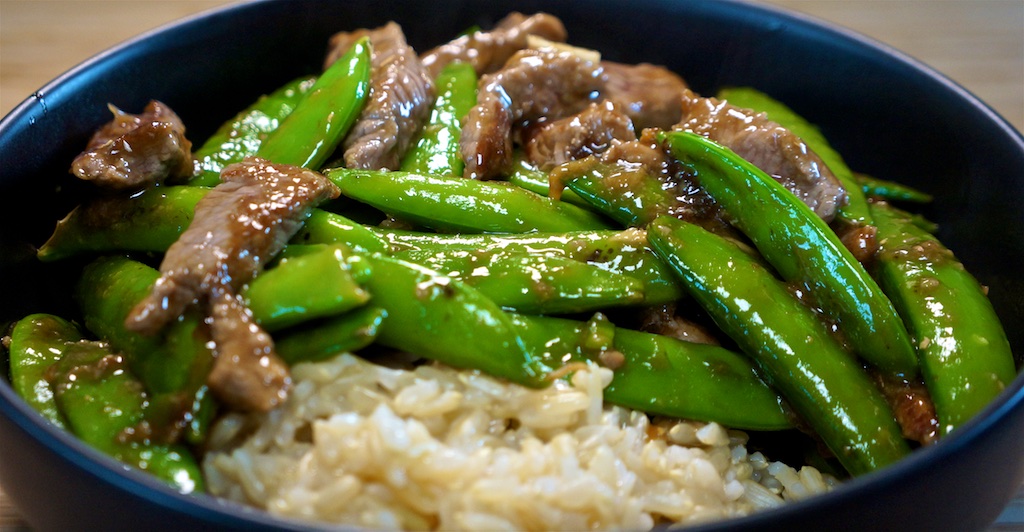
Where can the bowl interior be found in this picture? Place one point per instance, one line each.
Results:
(887, 115)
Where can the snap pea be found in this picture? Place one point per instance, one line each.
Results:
(311, 132)
(440, 318)
(304, 287)
(104, 405)
(626, 194)
(37, 342)
(802, 249)
(454, 204)
(923, 223)
(965, 356)
(663, 375)
(148, 221)
(436, 150)
(796, 353)
(891, 190)
(624, 252)
(324, 227)
(241, 136)
(172, 365)
(355, 264)
(855, 212)
(325, 338)
(531, 283)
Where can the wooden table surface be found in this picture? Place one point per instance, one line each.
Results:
(977, 43)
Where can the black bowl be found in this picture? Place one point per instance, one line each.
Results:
(888, 115)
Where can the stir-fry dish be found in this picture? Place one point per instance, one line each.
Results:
(502, 283)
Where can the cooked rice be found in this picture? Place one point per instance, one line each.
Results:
(437, 448)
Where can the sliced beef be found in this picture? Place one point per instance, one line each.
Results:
(401, 92)
(913, 407)
(135, 151)
(488, 51)
(644, 152)
(533, 86)
(589, 132)
(767, 145)
(239, 226)
(650, 95)
(861, 240)
(692, 203)
(247, 373)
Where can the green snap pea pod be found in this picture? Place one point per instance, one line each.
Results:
(803, 249)
(104, 404)
(798, 356)
(891, 190)
(323, 339)
(455, 204)
(856, 210)
(241, 136)
(149, 221)
(530, 283)
(37, 342)
(355, 264)
(923, 223)
(525, 175)
(311, 132)
(624, 252)
(965, 357)
(304, 287)
(323, 227)
(662, 375)
(436, 151)
(173, 365)
(440, 318)
(630, 196)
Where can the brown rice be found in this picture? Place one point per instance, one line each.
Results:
(438, 448)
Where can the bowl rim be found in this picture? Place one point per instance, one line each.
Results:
(219, 510)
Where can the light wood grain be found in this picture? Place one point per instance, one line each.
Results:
(977, 43)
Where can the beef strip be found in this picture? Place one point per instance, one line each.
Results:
(589, 132)
(913, 407)
(650, 95)
(692, 203)
(488, 51)
(401, 92)
(861, 240)
(135, 151)
(767, 145)
(247, 373)
(644, 152)
(534, 85)
(239, 226)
